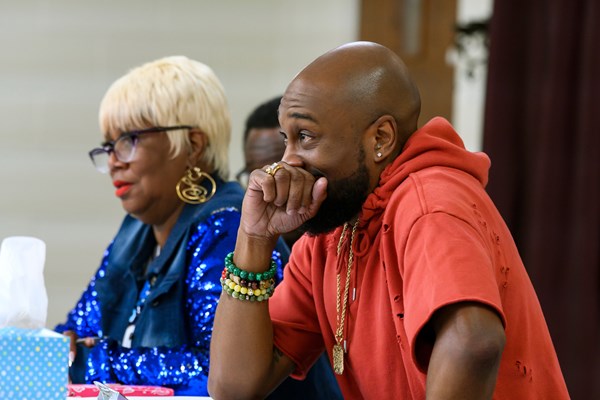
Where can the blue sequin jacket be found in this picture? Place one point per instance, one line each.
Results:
(170, 346)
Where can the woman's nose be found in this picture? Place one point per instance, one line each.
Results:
(113, 161)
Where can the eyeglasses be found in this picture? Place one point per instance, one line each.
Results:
(124, 147)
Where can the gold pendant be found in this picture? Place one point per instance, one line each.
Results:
(338, 359)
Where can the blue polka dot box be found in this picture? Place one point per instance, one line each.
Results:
(34, 364)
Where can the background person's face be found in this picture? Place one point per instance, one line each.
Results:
(264, 146)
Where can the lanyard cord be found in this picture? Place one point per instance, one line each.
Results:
(145, 292)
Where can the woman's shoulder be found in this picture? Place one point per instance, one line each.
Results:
(228, 196)
(225, 217)
(228, 192)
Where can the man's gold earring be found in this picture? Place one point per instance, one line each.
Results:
(377, 147)
(189, 189)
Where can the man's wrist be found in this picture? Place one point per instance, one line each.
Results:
(253, 254)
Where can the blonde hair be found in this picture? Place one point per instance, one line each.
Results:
(168, 92)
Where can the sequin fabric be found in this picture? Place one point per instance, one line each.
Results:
(184, 368)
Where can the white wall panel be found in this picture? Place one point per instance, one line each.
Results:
(57, 58)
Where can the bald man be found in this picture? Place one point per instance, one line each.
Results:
(408, 277)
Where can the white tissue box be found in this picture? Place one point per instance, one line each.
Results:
(34, 364)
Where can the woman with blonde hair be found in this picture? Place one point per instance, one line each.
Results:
(146, 316)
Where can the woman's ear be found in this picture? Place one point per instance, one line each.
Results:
(198, 143)
(384, 138)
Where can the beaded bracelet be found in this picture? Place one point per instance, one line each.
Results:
(245, 289)
(254, 285)
(254, 296)
(251, 276)
(244, 285)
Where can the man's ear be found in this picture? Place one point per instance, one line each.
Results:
(384, 138)
(198, 142)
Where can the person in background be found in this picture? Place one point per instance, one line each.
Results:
(146, 317)
(408, 277)
(264, 145)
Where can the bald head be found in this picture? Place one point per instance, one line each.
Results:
(368, 80)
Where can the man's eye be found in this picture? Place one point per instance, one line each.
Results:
(303, 136)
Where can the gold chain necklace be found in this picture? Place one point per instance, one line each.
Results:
(338, 351)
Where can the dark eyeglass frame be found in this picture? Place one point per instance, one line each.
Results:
(109, 146)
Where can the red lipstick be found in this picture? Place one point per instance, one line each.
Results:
(122, 188)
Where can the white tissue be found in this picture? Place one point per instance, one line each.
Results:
(23, 298)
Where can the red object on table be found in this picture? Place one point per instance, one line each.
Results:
(86, 390)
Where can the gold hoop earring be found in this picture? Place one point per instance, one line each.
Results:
(189, 189)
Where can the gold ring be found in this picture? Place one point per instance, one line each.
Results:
(273, 168)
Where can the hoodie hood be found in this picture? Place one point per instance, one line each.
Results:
(436, 144)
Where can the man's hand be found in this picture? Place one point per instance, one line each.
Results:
(280, 201)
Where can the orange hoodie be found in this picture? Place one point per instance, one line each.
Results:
(429, 236)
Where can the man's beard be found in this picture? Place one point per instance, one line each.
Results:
(344, 201)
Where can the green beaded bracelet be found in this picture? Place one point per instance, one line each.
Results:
(251, 276)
